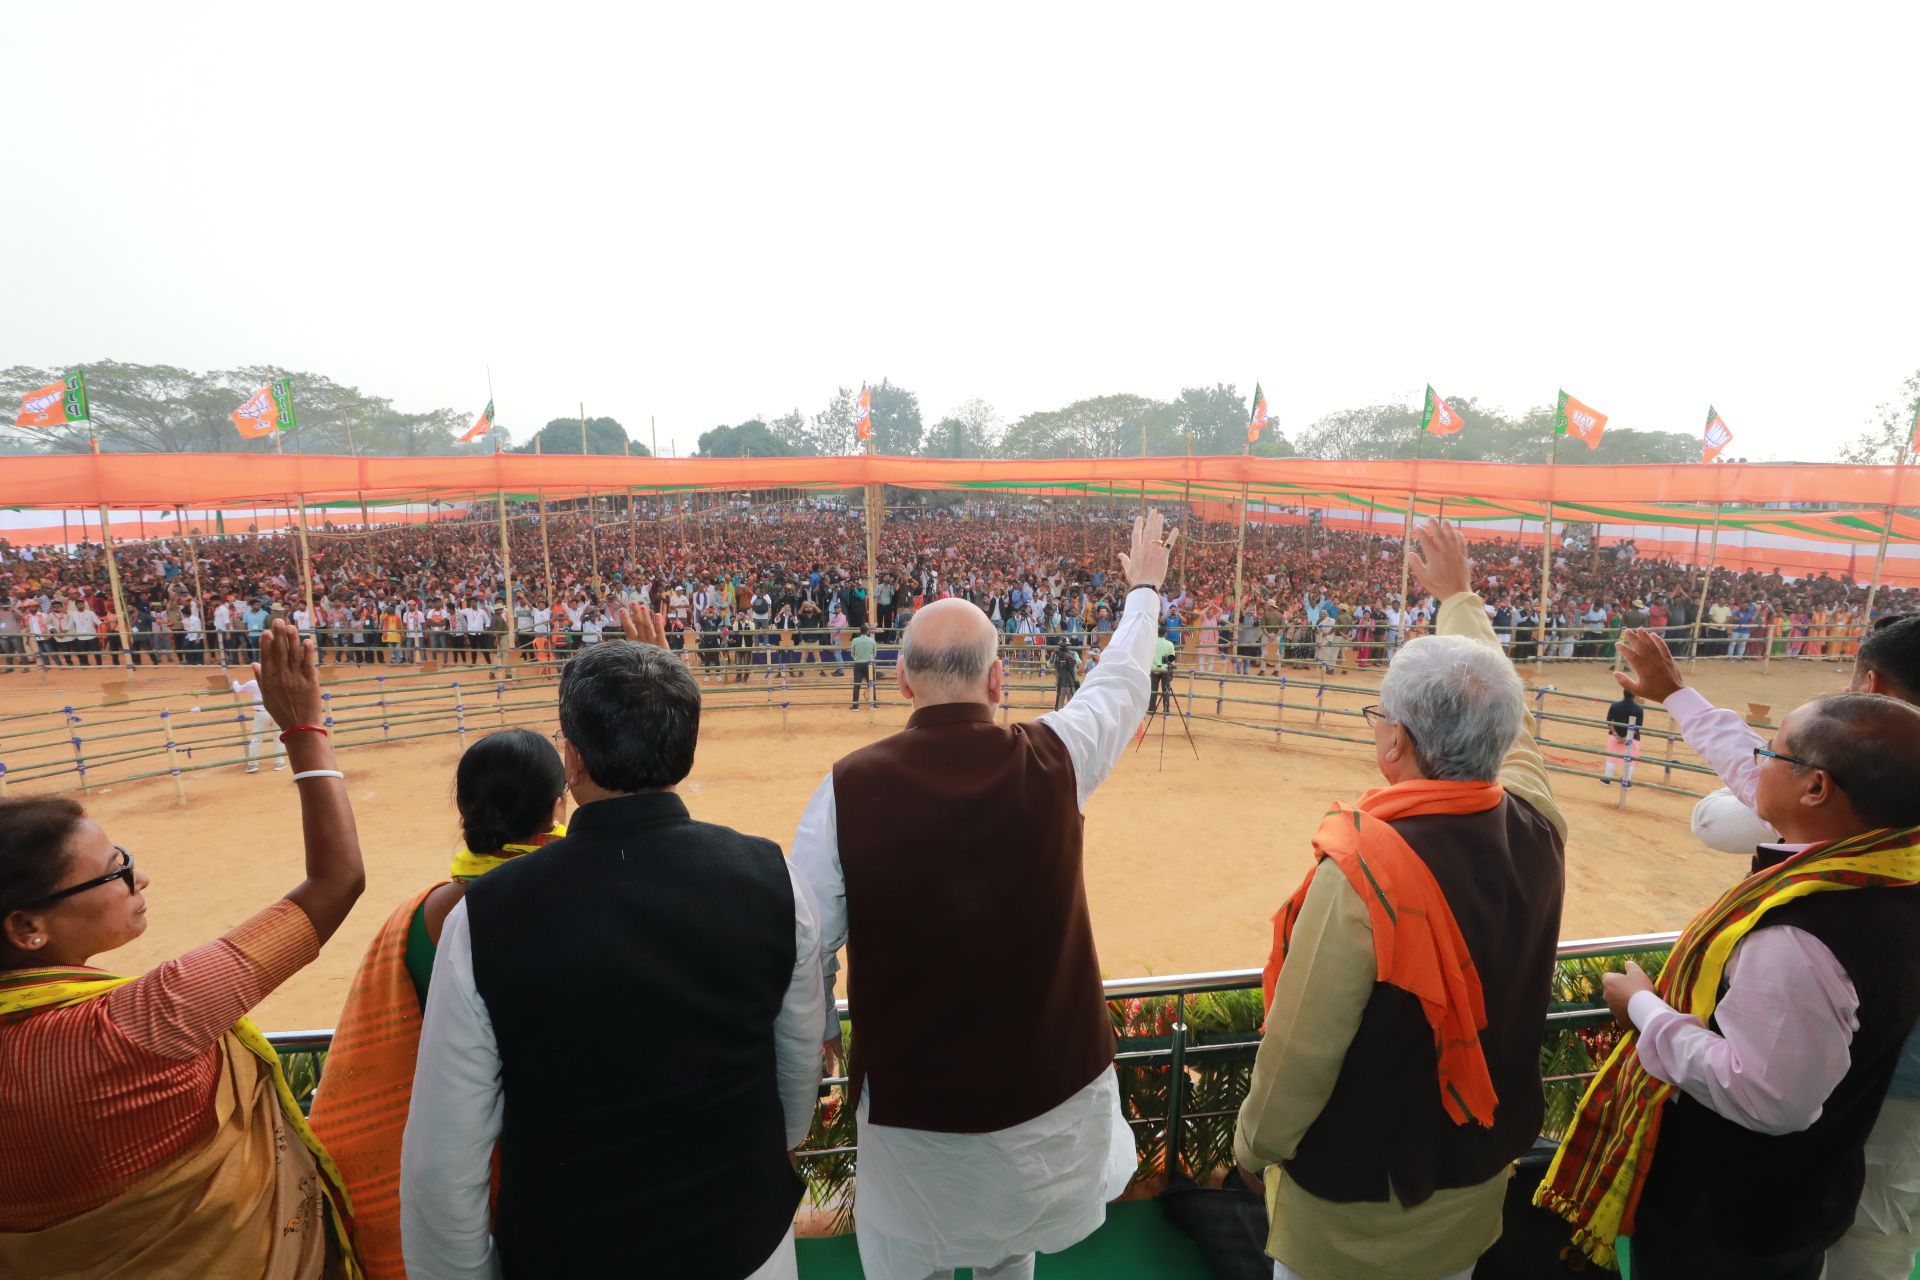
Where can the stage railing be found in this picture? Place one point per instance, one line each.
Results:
(1185, 1055)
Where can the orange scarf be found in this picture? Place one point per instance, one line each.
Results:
(361, 1108)
(1416, 941)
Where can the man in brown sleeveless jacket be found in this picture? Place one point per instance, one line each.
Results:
(947, 860)
(1384, 1158)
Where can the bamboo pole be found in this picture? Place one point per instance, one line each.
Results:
(1546, 565)
(506, 579)
(1713, 550)
(546, 556)
(113, 580)
(306, 571)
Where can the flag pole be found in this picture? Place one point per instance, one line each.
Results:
(506, 568)
(1546, 560)
(306, 568)
(113, 576)
(1406, 532)
(1886, 532)
(1713, 550)
(593, 536)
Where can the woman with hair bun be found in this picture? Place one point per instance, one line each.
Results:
(510, 790)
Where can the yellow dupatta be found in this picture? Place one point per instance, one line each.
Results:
(468, 865)
(26, 992)
(1596, 1177)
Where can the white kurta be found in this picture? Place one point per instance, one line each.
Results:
(459, 1104)
(928, 1202)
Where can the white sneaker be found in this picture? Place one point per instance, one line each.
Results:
(253, 768)
(277, 768)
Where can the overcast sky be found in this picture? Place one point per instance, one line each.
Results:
(702, 213)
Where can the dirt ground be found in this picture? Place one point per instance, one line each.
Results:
(1186, 859)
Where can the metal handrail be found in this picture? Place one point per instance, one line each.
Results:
(1187, 984)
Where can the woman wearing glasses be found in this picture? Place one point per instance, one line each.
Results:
(145, 1128)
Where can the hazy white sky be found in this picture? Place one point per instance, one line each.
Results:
(703, 213)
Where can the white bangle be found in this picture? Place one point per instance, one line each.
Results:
(320, 773)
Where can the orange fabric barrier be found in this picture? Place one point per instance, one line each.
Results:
(207, 480)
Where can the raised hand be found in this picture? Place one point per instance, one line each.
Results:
(1655, 675)
(1146, 564)
(642, 626)
(1441, 563)
(289, 677)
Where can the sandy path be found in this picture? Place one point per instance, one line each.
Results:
(1186, 859)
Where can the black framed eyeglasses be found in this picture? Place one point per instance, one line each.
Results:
(1759, 752)
(123, 872)
(1374, 716)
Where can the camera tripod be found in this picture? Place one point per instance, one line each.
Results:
(1166, 698)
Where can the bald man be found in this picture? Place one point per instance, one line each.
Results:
(947, 860)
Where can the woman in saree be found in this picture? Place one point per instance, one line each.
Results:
(145, 1126)
(509, 788)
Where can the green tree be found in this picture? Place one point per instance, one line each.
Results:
(972, 430)
(1486, 435)
(604, 435)
(896, 419)
(1217, 417)
(751, 439)
(163, 409)
(1103, 427)
(1889, 431)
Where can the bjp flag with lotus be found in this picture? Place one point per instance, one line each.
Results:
(863, 417)
(1575, 419)
(1257, 423)
(266, 411)
(1718, 436)
(481, 427)
(56, 403)
(1438, 418)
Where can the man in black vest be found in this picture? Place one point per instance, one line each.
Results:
(1885, 1236)
(1759, 1161)
(632, 1013)
(1367, 1171)
(947, 858)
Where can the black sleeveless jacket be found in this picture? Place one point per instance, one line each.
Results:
(633, 972)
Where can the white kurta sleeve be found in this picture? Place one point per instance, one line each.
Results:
(446, 1154)
(1102, 716)
(796, 1038)
(816, 856)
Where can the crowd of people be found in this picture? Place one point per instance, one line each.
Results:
(1760, 1116)
(785, 585)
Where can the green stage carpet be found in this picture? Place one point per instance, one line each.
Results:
(1137, 1242)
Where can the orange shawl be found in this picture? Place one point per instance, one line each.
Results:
(360, 1110)
(1416, 942)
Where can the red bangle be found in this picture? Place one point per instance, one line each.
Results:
(306, 728)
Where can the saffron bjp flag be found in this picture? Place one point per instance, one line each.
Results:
(1258, 422)
(1913, 442)
(1717, 437)
(56, 403)
(480, 427)
(1575, 419)
(863, 416)
(268, 410)
(1438, 418)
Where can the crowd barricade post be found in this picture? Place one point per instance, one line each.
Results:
(173, 759)
(79, 760)
(460, 715)
(386, 730)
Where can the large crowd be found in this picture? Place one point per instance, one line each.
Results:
(787, 583)
(1759, 1115)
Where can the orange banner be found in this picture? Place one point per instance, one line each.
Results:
(162, 480)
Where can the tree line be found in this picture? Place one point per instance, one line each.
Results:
(163, 409)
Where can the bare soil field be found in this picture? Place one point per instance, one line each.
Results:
(1186, 859)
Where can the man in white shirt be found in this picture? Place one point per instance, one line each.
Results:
(712, 933)
(962, 1164)
(263, 724)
